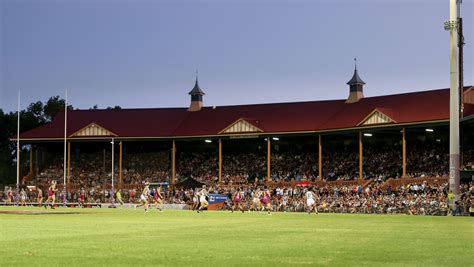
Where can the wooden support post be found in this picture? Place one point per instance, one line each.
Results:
(68, 162)
(173, 163)
(268, 159)
(220, 160)
(404, 153)
(36, 163)
(320, 158)
(360, 157)
(31, 159)
(120, 164)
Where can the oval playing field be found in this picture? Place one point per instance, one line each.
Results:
(123, 237)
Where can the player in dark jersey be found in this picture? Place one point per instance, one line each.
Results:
(158, 198)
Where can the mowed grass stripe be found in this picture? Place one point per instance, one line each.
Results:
(125, 237)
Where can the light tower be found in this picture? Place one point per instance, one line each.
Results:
(454, 105)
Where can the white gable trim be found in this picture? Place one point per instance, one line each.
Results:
(376, 117)
(93, 129)
(241, 126)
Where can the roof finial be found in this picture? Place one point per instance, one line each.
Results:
(355, 78)
(196, 89)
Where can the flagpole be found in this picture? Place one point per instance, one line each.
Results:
(64, 163)
(113, 189)
(18, 152)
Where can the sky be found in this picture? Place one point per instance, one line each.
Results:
(141, 54)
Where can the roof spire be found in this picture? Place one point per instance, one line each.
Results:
(355, 78)
(196, 90)
(196, 96)
(356, 86)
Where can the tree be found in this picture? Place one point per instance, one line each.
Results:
(53, 106)
(7, 148)
(115, 107)
(37, 110)
(36, 114)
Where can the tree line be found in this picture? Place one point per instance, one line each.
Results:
(36, 114)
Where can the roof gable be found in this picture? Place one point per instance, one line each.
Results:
(93, 129)
(241, 126)
(376, 117)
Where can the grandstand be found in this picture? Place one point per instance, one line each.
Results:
(358, 141)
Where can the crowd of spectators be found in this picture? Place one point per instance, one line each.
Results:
(379, 162)
(201, 166)
(341, 165)
(93, 170)
(413, 199)
(428, 160)
(468, 159)
(294, 165)
(139, 167)
(383, 161)
(244, 167)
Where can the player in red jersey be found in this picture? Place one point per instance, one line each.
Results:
(51, 195)
(9, 196)
(132, 193)
(82, 197)
(158, 198)
(266, 200)
(236, 200)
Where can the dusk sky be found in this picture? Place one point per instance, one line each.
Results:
(145, 53)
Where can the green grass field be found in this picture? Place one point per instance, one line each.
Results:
(98, 237)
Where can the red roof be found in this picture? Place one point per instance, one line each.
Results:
(311, 116)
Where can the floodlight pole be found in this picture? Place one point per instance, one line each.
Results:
(452, 27)
(113, 189)
(18, 153)
(65, 143)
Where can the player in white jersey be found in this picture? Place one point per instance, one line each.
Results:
(311, 201)
(256, 205)
(196, 199)
(23, 197)
(144, 197)
(203, 194)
